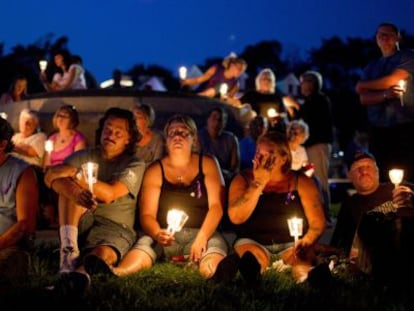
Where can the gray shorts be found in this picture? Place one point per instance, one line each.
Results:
(182, 245)
(97, 230)
(272, 250)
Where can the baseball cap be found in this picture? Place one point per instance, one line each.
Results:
(359, 155)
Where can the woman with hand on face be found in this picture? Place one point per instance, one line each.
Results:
(189, 181)
(261, 200)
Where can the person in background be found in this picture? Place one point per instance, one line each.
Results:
(211, 81)
(18, 212)
(65, 141)
(100, 214)
(297, 133)
(257, 127)
(387, 90)
(16, 92)
(90, 80)
(223, 145)
(151, 146)
(316, 111)
(69, 76)
(29, 142)
(261, 201)
(265, 97)
(369, 230)
(187, 180)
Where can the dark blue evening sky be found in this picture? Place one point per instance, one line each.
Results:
(118, 34)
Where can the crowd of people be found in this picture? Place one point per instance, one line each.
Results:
(118, 221)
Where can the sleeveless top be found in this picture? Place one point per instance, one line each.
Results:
(10, 172)
(57, 157)
(217, 79)
(268, 223)
(191, 199)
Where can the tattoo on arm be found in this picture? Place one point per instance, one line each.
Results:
(238, 202)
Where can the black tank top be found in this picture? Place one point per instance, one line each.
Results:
(268, 222)
(191, 199)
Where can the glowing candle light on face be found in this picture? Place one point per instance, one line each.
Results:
(43, 65)
(396, 176)
(272, 113)
(176, 220)
(182, 72)
(295, 225)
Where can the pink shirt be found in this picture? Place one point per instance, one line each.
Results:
(57, 156)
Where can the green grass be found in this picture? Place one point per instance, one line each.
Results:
(170, 287)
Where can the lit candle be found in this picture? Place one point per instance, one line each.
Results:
(295, 225)
(43, 65)
(272, 113)
(182, 72)
(3, 115)
(176, 220)
(49, 146)
(224, 89)
(402, 84)
(396, 176)
(90, 173)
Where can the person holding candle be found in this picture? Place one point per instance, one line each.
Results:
(189, 181)
(227, 72)
(367, 229)
(64, 141)
(261, 200)
(390, 107)
(18, 211)
(69, 76)
(265, 96)
(104, 218)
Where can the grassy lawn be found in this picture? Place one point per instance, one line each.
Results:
(170, 287)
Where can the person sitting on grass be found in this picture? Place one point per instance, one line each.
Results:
(189, 181)
(104, 215)
(261, 200)
(370, 230)
(19, 204)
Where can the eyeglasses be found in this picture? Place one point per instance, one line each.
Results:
(183, 134)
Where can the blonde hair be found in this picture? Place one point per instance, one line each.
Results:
(299, 125)
(267, 72)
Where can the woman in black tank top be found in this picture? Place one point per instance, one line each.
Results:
(184, 180)
(262, 199)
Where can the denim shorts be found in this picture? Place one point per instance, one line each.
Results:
(271, 250)
(182, 245)
(97, 230)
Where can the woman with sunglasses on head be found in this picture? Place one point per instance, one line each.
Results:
(64, 141)
(186, 180)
